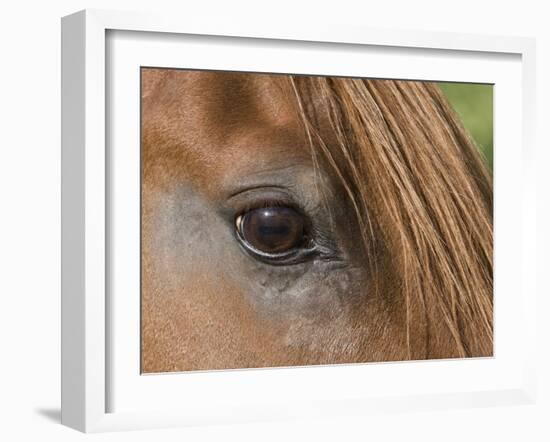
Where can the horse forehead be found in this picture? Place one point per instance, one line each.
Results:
(222, 118)
(219, 99)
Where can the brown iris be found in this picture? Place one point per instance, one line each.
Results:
(271, 230)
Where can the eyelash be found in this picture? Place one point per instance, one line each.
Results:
(265, 203)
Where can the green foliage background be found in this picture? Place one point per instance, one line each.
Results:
(474, 105)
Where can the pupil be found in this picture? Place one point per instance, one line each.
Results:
(273, 229)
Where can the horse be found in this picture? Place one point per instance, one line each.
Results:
(294, 220)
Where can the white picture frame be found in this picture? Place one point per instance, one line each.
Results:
(92, 356)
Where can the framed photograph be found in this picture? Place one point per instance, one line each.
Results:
(267, 223)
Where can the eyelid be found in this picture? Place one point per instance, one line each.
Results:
(259, 197)
(270, 196)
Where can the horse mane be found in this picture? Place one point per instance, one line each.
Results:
(422, 197)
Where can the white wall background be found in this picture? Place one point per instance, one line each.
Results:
(30, 216)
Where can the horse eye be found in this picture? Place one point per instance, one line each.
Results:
(271, 230)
